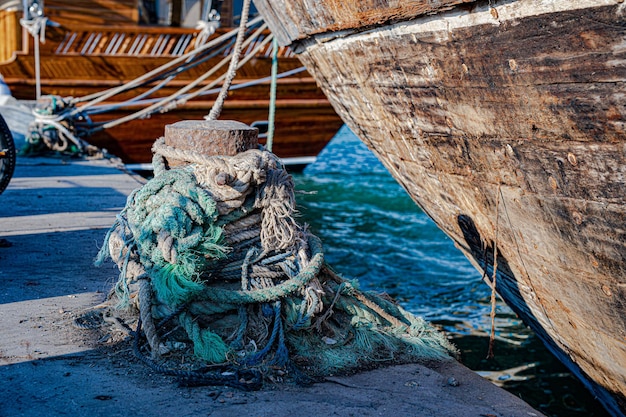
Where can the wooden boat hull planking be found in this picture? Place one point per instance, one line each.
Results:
(293, 138)
(506, 123)
(68, 71)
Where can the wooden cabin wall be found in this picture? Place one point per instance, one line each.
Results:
(10, 33)
(231, 9)
(93, 12)
(226, 14)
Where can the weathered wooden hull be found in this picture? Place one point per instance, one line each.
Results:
(73, 64)
(506, 122)
(294, 137)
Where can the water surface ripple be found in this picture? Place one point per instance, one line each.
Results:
(374, 232)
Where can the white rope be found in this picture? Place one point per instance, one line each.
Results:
(139, 99)
(37, 70)
(43, 122)
(272, 111)
(244, 61)
(207, 27)
(206, 30)
(185, 97)
(217, 106)
(183, 90)
(37, 28)
(103, 95)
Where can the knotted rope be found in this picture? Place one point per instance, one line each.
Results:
(207, 27)
(211, 255)
(61, 123)
(36, 26)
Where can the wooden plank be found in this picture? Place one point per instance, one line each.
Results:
(516, 109)
(10, 34)
(293, 133)
(94, 12)
(296, 20)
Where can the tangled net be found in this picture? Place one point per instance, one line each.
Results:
(210, 255)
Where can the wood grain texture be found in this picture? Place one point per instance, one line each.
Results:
(103, 12)
(294, 136)
(297, 20)
(74, 65)
(516, 106)
(10, 33)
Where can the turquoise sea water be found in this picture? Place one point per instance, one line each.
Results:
(374, 232)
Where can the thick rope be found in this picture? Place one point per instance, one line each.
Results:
(272, 111)
(232, 69)
(231, 268)
(260, 46)
(163, 103)
(103, 95)
(145, 309)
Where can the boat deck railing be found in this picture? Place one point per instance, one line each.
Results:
(142, 44)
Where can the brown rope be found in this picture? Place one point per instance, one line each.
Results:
(145, 311)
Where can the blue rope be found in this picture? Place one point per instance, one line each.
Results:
(237, 344)
(281, 356)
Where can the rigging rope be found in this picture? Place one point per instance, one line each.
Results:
(204, 91)
(260, 46)
(37, 28)
(186, 97)
(272, 110)
(171, 99)
(232, 69)
(101, 96)
(61, 117)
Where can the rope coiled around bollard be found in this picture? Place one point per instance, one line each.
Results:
(222, 264)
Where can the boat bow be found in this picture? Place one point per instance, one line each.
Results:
(505, 121)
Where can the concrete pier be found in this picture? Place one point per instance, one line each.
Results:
(53, 218)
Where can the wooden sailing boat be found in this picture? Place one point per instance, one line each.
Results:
(506, 122)
(91, 46)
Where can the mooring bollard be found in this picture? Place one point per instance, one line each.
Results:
(220, 254)
(210, 137)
